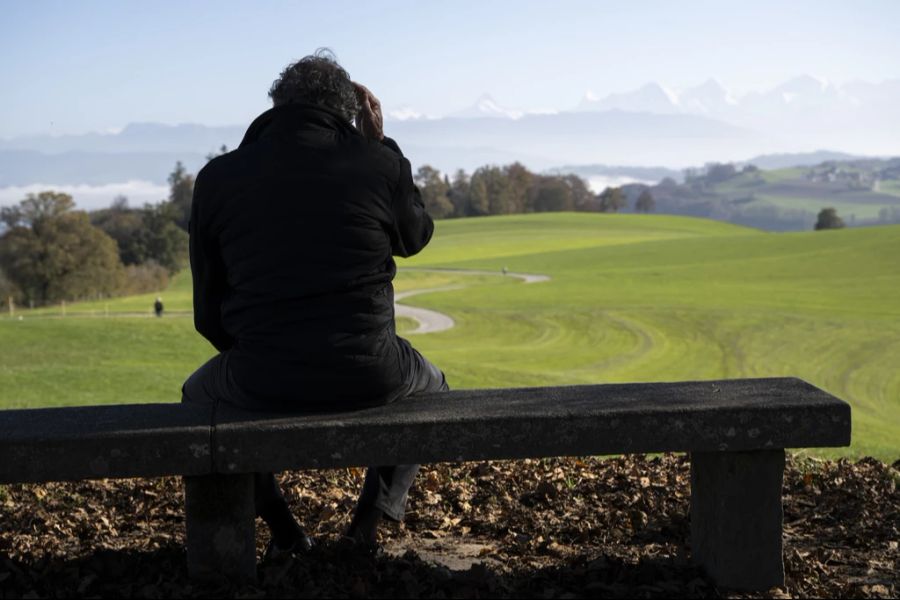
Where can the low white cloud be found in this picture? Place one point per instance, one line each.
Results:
(598, 183)
(90, 197)
(406, 113)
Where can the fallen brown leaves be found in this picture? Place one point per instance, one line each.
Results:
(558, 528)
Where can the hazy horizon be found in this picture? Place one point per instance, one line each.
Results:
(407, 112)
(111, 64)
(573, 82)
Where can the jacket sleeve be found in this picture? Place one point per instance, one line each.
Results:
(412, 227)
(208, 272)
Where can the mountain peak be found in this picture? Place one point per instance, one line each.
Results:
(804, 84)
(712, 85)
(650, 97)
(486, 107)
(657, 88)
(708, 97)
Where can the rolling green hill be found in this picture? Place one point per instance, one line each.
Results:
(864, 192)
(842, 186)
(631, 298)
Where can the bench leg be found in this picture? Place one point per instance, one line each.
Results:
(736, 517)
(221, 527)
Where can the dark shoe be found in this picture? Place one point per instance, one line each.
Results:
(302, 545)
(364, 526)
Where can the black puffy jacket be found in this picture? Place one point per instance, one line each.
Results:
(291, 241)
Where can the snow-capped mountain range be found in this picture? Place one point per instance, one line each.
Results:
(653, 125)
(710, 98)
(485, 107)
(703, 123)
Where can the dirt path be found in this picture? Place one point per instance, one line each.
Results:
(432, 321)
(526, 277)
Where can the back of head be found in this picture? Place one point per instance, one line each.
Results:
(317, 79)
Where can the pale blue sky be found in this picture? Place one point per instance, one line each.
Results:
(73, 66)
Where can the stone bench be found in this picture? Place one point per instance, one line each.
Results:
(735, 431)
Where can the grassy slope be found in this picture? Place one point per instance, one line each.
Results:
(821, 306)
(633, 298)
(805, 196)
(890, 187)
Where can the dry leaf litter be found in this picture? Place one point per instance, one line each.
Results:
(553, 528)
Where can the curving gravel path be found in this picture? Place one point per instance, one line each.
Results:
(526, 277)
(432, 321)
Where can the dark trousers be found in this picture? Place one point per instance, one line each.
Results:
(385, 487)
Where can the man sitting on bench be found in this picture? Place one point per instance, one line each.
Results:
(291, 241)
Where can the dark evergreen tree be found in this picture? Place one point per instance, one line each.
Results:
(612, 200)
(459, 194)
(551, 194)
(181, 193)
(479, 193)
(828, 219)
(582, 198)
(160, 239)
(519, 181)
(645, 202)
(435, 192)
(124, 225)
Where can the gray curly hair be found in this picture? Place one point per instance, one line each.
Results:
(317, 79)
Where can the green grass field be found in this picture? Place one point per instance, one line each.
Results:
(890, 187)
(791, 189)
(631, 298)
(811, 204)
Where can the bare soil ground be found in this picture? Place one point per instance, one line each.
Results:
(560, 528)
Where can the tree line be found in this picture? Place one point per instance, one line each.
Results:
(513, 189)
(51, 252)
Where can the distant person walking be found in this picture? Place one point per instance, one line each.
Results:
(158, 307)
(292, 238)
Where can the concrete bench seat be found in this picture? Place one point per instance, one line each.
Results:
(735, 430)
(93, 442)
